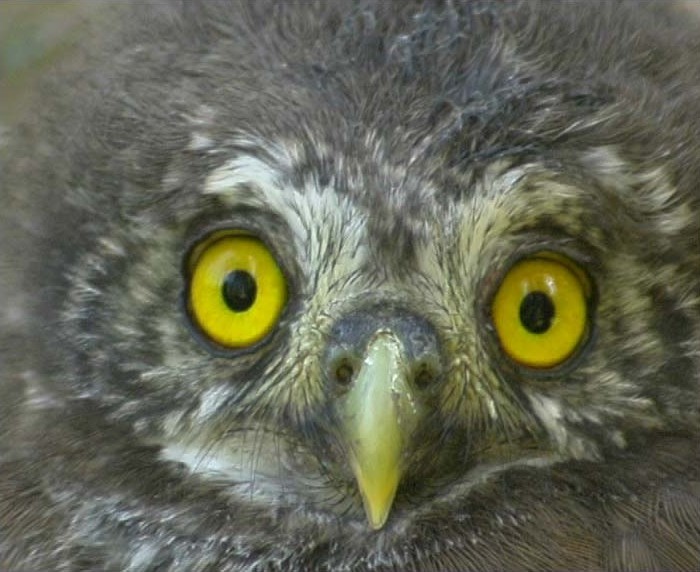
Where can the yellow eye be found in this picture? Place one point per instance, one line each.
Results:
(540, 310)
(237, 291)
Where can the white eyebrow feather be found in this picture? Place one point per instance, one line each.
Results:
(249, 181)
(316, 214)
(244, 170)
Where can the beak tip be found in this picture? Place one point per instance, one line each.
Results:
(378, 507)
(379, 523)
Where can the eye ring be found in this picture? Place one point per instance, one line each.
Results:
(541, 310)
(236, 290)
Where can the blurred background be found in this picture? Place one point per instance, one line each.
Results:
(33, 35)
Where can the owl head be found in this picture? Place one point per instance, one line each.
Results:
(365, 279)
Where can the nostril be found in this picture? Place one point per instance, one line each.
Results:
(424, 375)
(343, 371)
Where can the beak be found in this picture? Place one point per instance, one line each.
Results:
(379, 415)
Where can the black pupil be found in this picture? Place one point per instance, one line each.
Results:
(239, 290)
(536, 312)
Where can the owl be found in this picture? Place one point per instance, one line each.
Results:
(374, 285)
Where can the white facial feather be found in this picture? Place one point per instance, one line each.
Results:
(250, 181)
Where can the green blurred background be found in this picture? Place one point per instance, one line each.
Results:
(33, 35)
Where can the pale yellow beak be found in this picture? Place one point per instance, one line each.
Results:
(379, 415)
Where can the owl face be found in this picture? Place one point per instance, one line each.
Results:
(326, 322)
(381, 292)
